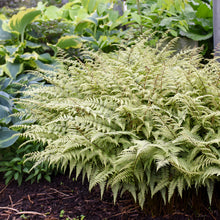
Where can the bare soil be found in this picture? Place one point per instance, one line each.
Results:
(67, 199)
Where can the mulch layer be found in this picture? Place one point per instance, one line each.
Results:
(67, 199)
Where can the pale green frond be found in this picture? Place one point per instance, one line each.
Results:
(210, 189)
(171, 189)
(115, 189)
(130, 188)
(140, 119)
(163, 184)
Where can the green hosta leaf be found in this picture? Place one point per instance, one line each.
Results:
(4, 35)
(19, 21)
(103, 41)
(82, 14)
(13, 69)
(32, 45)
(174, 33)
(5, 99)
(101, 8)
(73, 12)
(91, 5)
(207, 24)
(69, 41)
(2, 70)
(52, 12)
(7, 137)
(113, 15)
(54, 48)
(167, 21)
(12, 50)
(46, 58)
(85, 3)
(195, 36)
(82, 25)
(29, 56)
(204, 11)
(91, 20)
(4, 114)
(51, 67)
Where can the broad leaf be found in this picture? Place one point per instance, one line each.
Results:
(29, 56)
(51, 67)
(4, 35)
(5, 99)
(204, 11)
(7, 137)
(73, 12)
(113, 15)
(19, 21)
(195, 36)
(101, 8)
(91, 6)
(4, 112)
(13, 69)
(69, 41)
(52, 12)
(46, 58)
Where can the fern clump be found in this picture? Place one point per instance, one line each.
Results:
(143, 119)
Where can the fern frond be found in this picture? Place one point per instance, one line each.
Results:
(141, 119)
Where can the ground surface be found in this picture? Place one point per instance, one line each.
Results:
(60, 199)
(67, 199)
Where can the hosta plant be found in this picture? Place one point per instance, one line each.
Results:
(143, 119)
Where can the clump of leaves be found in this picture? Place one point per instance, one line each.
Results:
(12, 164)
(144, 119)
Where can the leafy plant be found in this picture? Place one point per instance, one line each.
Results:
(15, 58)
(62, 213)
(13, 166)
(144, 119)
(19, 21)
(7, 136)
(191, 19)
(92, 22)
(182, 18)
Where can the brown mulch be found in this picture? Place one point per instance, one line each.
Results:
(67, 199)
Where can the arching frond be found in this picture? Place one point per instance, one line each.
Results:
(143, 119)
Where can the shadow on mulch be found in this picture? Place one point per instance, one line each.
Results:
(67, 199)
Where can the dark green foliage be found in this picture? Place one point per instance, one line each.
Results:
(143, 119)
(181, 18)
(13, 166)
(11, 157)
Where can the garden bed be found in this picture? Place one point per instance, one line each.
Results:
(66, 198)
(63, 198)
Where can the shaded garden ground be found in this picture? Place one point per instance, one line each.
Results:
(65, 198)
